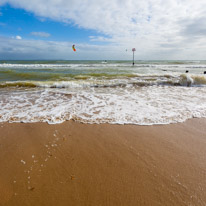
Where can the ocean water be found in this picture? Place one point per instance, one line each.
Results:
(114, 92)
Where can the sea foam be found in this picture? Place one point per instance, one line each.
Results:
(131, 105)
(94, 92)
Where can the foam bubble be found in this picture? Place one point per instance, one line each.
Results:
(130, 105)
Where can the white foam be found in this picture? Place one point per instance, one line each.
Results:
(73, 66)
(130, 105)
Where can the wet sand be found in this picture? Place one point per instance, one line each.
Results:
(80, 164)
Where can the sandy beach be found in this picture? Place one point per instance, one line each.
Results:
(101, 164)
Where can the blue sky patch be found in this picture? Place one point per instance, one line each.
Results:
(18, 22)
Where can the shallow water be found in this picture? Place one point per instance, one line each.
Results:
(157, 92)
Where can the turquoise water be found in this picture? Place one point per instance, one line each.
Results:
(56, 71)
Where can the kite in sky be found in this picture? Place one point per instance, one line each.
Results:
(73, 47)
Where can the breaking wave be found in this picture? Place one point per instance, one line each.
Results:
(102, 80)
(114, 92)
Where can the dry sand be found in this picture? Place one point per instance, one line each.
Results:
(79, 164)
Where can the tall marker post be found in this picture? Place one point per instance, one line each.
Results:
(133, 50)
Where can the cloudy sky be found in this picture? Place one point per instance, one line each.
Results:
(103, 29)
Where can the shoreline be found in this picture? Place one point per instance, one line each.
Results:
(103, 164)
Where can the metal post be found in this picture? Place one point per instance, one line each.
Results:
(133, 55)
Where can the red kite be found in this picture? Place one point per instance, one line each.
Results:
(73, 47)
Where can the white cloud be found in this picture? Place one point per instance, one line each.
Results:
(11, 48)
(195, 27)
(40, 34)
(100, 39)
(18, 37)
(152, 26)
